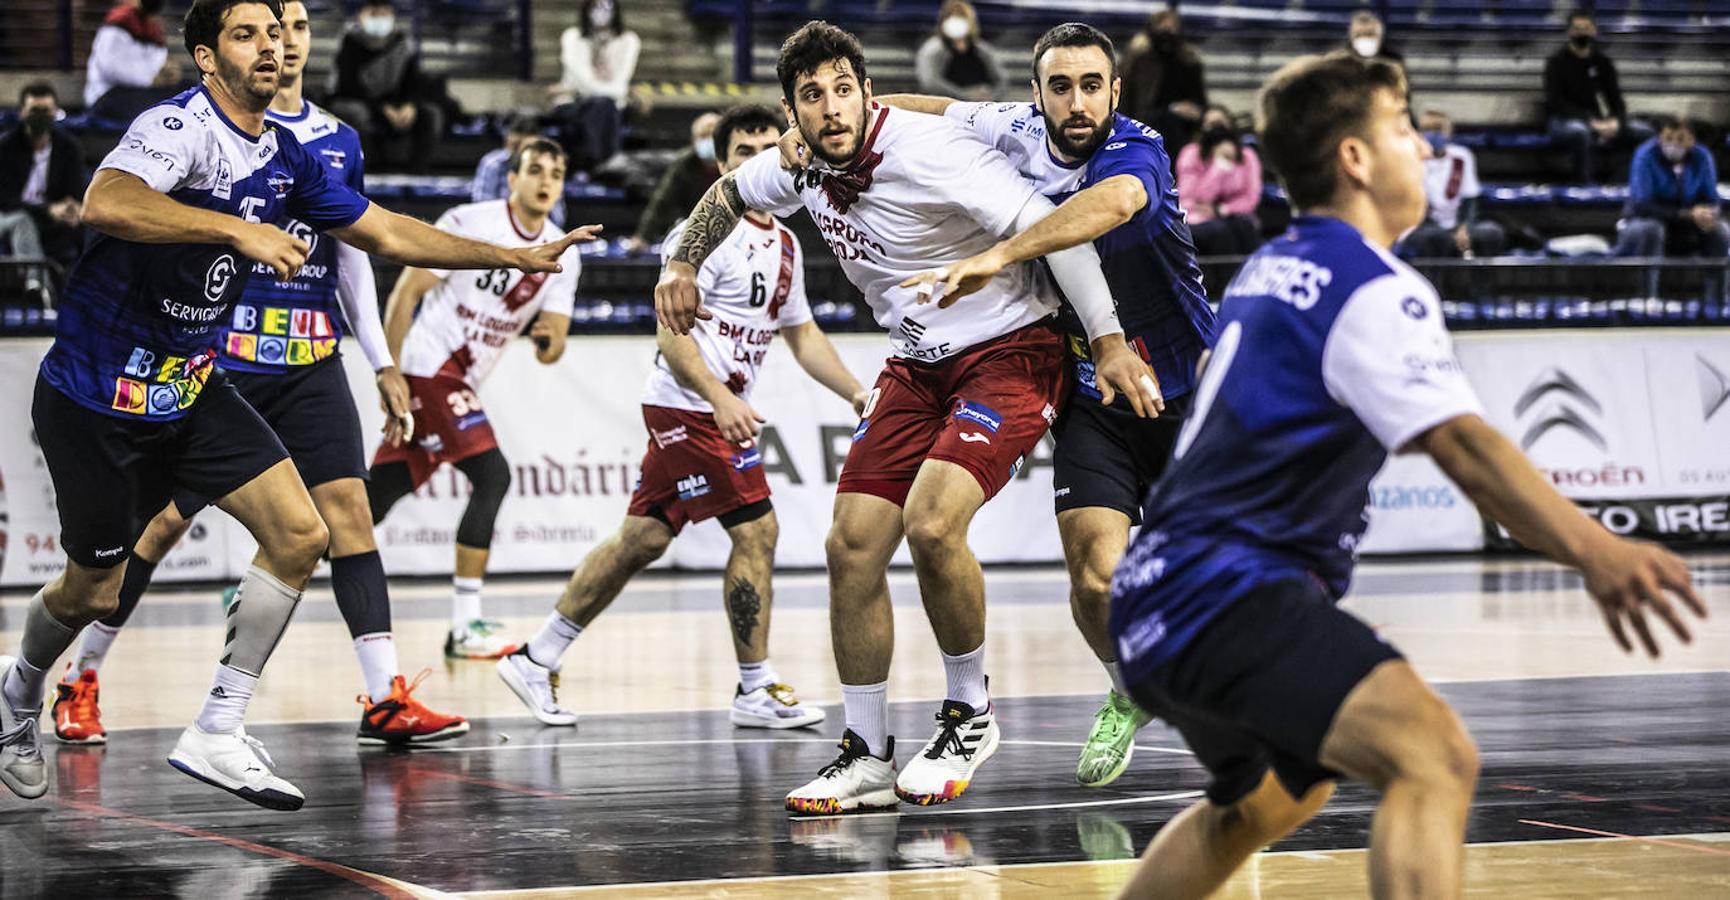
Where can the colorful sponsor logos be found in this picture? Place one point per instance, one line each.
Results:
(277, 335)
(978, 414)
(151, 389)
(747, 459)
(693, 486)
(859, 433)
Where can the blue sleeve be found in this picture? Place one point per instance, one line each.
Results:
(319, 200)
(1705, 182)
(1643, 200)
(357, 168)
(1145, 159)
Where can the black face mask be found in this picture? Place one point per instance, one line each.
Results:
(151, 7)
(38, 121)
(1580, 41)
(1165, 43)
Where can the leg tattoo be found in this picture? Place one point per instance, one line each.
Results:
(743, 605)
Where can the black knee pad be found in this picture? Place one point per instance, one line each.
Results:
(489, 475)
(385, 485)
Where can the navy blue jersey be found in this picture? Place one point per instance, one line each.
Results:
(278, 326)
(1331, 354)
(1149, 261)
(141, 324)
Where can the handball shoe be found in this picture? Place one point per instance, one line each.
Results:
(772, 706)
(21, 766)
(401, 719)
(237, 763)
(537, 686)
(942, 771)
(481, 639)
(77, 720)
(855, 782)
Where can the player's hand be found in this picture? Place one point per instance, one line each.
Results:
(794, 153)
(393, 398)
(1628, 579)
(677, 304)
(1116, 369)
(739, 423)
(282, 252)
(548, 347)
(952, 282)
(545, 257)
(861, 398)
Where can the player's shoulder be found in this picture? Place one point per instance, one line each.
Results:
(184, 114)
(1130, 139)
(1015, 116)
(1315, 266)
(922, 130)
(315, 124)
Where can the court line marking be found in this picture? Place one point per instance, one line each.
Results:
(493, 748)
(922, 812)
(1616, 835)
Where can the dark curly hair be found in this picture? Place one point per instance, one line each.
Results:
(203, 23)
(814, 44)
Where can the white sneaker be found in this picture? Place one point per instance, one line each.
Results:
(537, 686)
(855, 782)
(237, 763)
(771, 706)
(21, 766)
(482, 639)
(943, 770)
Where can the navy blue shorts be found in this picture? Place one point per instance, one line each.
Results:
(1107, 457)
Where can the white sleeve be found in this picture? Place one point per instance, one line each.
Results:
(1469, 186)
(1078, 274)
(797, 310)
(1389, 359)
(764, 185)
(164, 147)
(986, 120)
(976, 178)
(357, 292)
(123, 60)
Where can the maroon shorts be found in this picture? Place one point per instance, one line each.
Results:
(449, 425)
(691, 472)
(984, 410)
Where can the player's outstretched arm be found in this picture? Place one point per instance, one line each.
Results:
(677, 303)
(816, 355)
(121, 205)
(738, 421)
(411, 242)
(1627, 579)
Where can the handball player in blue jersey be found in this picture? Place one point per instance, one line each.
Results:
(1330, 355)
(280, 352)
(130, 406)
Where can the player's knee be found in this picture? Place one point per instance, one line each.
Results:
(1089, 584)
(1440, 754)
(302, 539)
(643, 543)
(756, 539)
(930, 533)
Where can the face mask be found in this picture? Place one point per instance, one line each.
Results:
(955, 28)
(1215, 133)
(1437, 141)
(38, 120)
(1674, 152)
(151, 7)
(705, 149)
(1165, 42)
(1580, 41)
(378, 26)
(1366, 47)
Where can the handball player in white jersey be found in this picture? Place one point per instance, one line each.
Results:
(967, 394)
(701, 462)
(466, 321)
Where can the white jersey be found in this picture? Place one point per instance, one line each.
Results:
(1018, 131)
(754, 285)
(923, 193)
(469, 319)
(1449, 178)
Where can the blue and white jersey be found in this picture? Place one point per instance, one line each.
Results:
(279, 326)
(1331, 354)
(141, 324)
(1149, 261)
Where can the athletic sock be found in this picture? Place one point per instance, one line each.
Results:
(966, 677)
(755, 675)
(465, 602)
(1116, 675)
(45, 638)
(550, 643)
(867, 713)
(92, 649)
(23, 689)
(378, 664)
(225, 706)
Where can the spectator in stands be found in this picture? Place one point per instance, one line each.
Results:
(1451, 227)
(1163, 82)
(1673, 207)
(1367, 37)
(129, 68)
(1219, 183)
(683, 184)
(492, 173)
(956, 62)
(42, 180)
(1584, 100)
(598, 59)
(378, 87)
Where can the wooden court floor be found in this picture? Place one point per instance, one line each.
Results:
(1603, 775)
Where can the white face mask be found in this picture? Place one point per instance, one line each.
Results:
(955, 28)
(378, 26)
(1366, 47)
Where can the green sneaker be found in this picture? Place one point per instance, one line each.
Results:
(1111, 742)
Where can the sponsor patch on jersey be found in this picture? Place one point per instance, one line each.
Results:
(1414, 307)
(1019, 462)
(749, 458)
(664, 439)
(693, 486)
(859, 433)
(471, 420)
(978, 414)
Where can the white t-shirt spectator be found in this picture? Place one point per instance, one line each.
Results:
(1450, 178)
(128, 52)
(600, 67)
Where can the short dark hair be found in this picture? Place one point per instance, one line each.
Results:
(1579, 14)
(203, 23)
(745, 118)
(38, 89)
(536, 147)
(523, 123)
(815, 43)
(1668, 122)
(1074, 34)
(1308, 107)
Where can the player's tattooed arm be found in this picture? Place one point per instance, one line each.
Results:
(714, 218)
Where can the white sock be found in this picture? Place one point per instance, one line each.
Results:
(1116, 675)
(755, 675)
(378, 665)
(225, 707)
(551, 642)
(867, 713)
(966, 677)
(23, 690)
(465, 602)
(92, 650)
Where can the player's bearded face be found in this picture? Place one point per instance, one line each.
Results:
(830, 108)
(249, 52)
(1077, 92)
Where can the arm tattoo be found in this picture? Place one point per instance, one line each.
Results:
(743, 605)
(710, 223)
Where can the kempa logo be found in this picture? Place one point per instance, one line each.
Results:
(1714, 387)
(1568, 398)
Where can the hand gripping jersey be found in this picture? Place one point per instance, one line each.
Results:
(1331, 354)
(141, 323)
(754, 285)
(1149, 261)
(469, 319)
(922, 193)
(279, 326)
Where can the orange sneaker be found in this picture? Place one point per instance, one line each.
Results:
(76, 717)
(401, 719)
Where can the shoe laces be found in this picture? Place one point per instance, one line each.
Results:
(849, 756)
(1113, 720)
(84, 695)
(948, 739)
(783, 694)
(24, 735)
(257, 747)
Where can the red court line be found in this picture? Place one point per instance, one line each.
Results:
(489, 783)
(1627, 837)
(374, 883)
